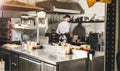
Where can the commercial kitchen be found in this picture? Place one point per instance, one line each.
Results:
(30, 40)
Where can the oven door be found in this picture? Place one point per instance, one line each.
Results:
(4, 23)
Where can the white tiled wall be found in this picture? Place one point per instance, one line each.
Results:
(98, 8)
(100, 27)
(89, 27)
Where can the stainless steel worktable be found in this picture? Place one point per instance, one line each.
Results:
(52, 57)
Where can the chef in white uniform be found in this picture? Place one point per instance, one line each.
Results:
(63, 28)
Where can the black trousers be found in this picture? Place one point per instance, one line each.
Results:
(68, 38)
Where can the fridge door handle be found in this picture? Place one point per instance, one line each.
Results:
(32, 61)
(24, 58)
(35, 62)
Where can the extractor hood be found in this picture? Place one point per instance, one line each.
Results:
(19, 6)
(62, 7)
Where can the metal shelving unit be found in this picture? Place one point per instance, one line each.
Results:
(92, 22)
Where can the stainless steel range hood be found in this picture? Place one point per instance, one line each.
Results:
(62, 7)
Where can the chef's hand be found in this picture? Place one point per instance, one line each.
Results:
(71, 35)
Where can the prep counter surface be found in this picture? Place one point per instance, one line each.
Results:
(50, 57)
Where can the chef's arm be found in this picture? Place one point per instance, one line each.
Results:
(68, 31)
(57, 31)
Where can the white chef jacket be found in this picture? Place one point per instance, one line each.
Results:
(63, 27)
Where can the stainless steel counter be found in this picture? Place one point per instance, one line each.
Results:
(50, 55)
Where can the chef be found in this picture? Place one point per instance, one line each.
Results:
(63, 29)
